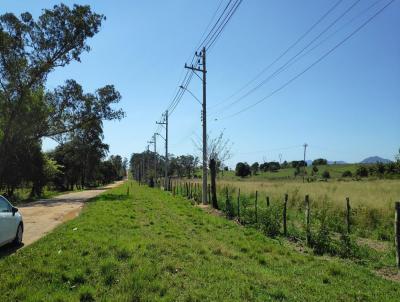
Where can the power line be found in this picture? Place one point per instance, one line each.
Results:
(315, 62)
(208, 26)
(298, 40)
(282, 67)
(223, 25)
(202, 44)
(208, 41)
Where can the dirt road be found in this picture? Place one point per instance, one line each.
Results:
(42, 216)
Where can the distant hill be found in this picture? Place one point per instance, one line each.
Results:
(375, 159)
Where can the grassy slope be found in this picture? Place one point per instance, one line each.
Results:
(153, 246)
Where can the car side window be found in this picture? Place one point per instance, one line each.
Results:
(4, 205)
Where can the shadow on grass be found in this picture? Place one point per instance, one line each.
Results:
(9, 249)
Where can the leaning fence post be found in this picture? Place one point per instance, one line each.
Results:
(308, 230)
(285, 215)
(397, 232)
(255, 206)
(238, 205)
(267, 198)
(348, 214)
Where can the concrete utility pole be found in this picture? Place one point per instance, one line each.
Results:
(304, 170)
(155, 155)
(165, 123)
(203, 70)
(153, 142)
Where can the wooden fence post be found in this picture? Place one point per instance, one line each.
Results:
(255, 206)
(348, 214)
(285, 215)
(397, 232)
(307, 214)
(267, 201)
(209, 193)
(226, 202)
(238, 205)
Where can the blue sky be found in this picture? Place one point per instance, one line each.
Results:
(346, 107)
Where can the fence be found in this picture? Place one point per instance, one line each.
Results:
(318, 225)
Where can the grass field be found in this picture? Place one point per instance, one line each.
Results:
(335, 171)
(151, 246)
(22, 195)
(372, 200)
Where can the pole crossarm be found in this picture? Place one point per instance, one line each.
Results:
(191, 67)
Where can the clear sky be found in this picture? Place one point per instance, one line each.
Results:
(346, 107)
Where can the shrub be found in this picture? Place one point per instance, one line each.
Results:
(322, 242)
(271, 221)
(326, 175)
(348, 247)
(242, 169)
(347, 173)
(362, 171)
(319, 162)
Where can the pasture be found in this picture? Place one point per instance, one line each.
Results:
(151, 246)
(372, 200)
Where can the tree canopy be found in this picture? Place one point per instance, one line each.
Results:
(29, 51)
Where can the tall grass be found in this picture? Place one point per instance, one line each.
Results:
(372, 202)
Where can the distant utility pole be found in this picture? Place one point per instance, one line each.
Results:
(153, 142)
(304, 160)
(203, 70)
(155, 155)
(165, 123)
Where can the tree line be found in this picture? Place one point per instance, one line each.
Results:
(30, 112)
(148, 166)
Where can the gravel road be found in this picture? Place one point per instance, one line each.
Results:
(41, 217)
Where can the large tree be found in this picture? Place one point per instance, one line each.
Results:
(29, 50)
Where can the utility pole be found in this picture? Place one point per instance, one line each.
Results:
(304, 160)
(155, 155)
(152, 142)
(203, 70)
(165, 123)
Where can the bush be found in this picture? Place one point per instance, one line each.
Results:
(242, 169)
(347, 173)
(319, 162)
(326, 175)
(362, 171)
(322, 241)
(271, 221)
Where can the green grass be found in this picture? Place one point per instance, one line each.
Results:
(335, 171)
(152, 246)
(22, 195)
(372, 201)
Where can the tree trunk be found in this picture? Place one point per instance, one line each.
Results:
(213, 173)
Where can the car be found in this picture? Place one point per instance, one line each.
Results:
(11, 223)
